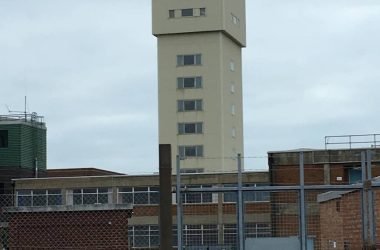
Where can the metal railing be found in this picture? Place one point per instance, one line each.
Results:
(366, 140)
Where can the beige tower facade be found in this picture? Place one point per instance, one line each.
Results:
(200, 81)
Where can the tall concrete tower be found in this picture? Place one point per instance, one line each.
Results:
(200, 80)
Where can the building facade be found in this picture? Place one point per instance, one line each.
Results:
(200, 81)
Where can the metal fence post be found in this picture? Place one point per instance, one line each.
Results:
(179, 203)
(240, 205)
(371, 215)
(303, 235)
(364, 199)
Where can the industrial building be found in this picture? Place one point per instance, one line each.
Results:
(209, 218)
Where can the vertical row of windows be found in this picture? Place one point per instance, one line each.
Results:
(190, 105)
(187, 12)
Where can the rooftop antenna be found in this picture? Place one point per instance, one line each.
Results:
(20, 112)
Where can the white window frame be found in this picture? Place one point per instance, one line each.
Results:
(197, 82)
(197, 103)
(199, 151)
(182, 128)
(149, 191)
(197, 59)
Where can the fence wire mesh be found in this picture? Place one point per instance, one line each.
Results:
(116, 216)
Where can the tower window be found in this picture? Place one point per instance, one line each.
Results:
(184, 60)
(202, 11)
(189, 105)
(189, 82)
(232, 65)
(187, 12)
(233, 109)
(190, 128)
(3, 138)
(191, 151)
(232, 88)
(171, 13)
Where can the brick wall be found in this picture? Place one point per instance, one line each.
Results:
(106, 229)
(341, 222)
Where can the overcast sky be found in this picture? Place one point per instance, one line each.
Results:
(311, 68)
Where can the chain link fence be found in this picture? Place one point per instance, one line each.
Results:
(279, 212)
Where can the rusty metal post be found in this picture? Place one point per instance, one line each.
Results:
(165, 217)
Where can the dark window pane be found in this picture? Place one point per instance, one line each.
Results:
(77, 191)
(54, 200)
(188, 60)
(89, 198)
(39, 200)
(171, 14)
(141, 189)
(89, 190)
(202, 11)
(190, 128)
(154, 198)
(189, 105)
(189, 82)
(230, 197)
(103, 198)
(54, 191)
(187, 12)
(3, 138)
(24, 201)
(102, 190)
(24, 192)
(126, 189)
(77, 199)
(127, 198)
(190, 151)
(141, 198)
(39, 191)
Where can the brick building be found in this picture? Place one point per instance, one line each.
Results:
(209, 218)
(321, 167)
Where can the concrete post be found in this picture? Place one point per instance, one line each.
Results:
(165, 217)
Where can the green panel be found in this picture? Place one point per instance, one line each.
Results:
(25, 144)
(33, 147)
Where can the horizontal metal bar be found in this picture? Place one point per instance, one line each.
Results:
(278, 188)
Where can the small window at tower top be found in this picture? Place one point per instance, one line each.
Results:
(202, 11)
(187, 12)
(171, 13)
(3, 138)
